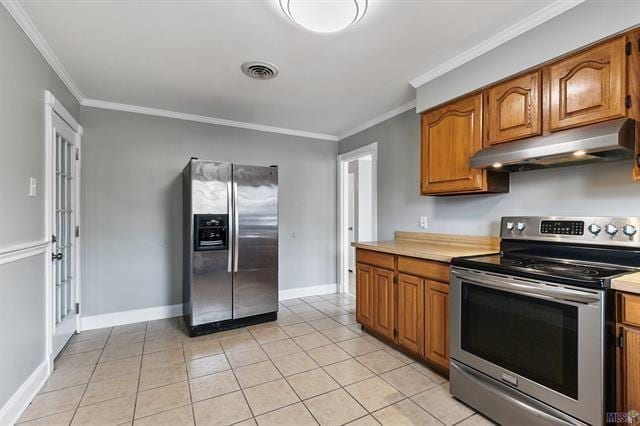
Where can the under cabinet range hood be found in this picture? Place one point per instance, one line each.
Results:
(608, 141)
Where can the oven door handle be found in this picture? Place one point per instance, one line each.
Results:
(552, 293)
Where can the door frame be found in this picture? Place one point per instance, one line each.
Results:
(53, 106)
(343, 219)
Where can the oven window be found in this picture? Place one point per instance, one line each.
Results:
(534, 338)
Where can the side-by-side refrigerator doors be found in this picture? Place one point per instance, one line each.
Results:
(212, 222)
(255, 289)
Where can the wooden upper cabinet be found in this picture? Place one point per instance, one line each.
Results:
(364, 294)
(383, 303)
(588, 87)
(411, 313)
(514, 109)
(450, 136)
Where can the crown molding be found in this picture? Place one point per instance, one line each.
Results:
(94, 103)
(543, 15)
(22, 19)
(379, 119)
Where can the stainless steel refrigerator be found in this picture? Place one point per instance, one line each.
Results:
(230, 251)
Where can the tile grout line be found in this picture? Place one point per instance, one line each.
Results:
(75, 412)
(135, 402)
(184, 357)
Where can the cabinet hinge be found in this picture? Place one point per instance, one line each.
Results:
(77, 154)
(627, 48)
(627, 101)
(77, 231)
(621, 340)
(395, 279)
(395, 333)
(77, 308)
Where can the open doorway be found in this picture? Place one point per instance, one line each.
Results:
(357, 208)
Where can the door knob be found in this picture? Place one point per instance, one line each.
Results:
(56, 256)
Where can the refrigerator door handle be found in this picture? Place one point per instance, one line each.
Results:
(236, 225)
(231, 223)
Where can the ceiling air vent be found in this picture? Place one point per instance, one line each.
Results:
(260, 70)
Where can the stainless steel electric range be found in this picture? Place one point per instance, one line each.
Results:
(532, 328)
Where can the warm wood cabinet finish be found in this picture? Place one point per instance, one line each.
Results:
(411, 313)
(513, 109)
(364, 294)
(596, 84)
(628, 359)
(383, 302)
(629, 375)
(437, 323)
(588, 87)
(409, 308)
(450, 136)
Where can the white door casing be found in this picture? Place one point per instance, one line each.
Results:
(62, 191)
(343, 190)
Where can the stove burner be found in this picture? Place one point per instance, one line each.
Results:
(506, 261)
(564, 269)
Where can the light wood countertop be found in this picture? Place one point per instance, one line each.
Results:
(629, 283)
(437, 247)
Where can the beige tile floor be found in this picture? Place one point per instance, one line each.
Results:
(314, 365)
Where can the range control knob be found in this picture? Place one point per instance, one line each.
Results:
(509, 226)
(520, 226)
(611, 229)
(594, 229)
(629, 230)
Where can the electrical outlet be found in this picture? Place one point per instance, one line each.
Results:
(33, 187)
(423, 222)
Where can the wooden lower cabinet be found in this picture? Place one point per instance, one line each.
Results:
(407, 306)
(628, 359)
(437, 323)
(364, 294)
(629, 369)
(383, 302)
(411, 313)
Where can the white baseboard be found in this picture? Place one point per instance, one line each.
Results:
(294, 293)
(160, 312)
(129, 317)
(15, 406)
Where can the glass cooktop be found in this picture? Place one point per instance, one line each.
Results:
(592, 275)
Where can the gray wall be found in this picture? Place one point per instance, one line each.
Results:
(584, 24)
(131, 204)
(24, 75)
(604, 189)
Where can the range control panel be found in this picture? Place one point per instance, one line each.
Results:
(562, 227)
(587, 230)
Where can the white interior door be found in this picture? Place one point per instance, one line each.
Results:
(65, 199)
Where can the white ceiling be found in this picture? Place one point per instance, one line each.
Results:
(185, 56)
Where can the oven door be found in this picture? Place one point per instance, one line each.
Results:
(544, 339)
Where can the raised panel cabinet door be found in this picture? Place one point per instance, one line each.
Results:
(588, 87)
(513, 109)
(630, 369)
(411, 313)
(383, 302)
(450, 136)
(437, 323)
(364, 294)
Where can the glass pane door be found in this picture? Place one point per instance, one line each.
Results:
(63, 225)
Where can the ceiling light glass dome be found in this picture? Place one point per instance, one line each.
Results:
(324, 16)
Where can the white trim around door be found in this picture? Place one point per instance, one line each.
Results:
(55, 112)
(343, 236)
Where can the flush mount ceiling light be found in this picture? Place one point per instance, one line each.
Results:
(324, 16)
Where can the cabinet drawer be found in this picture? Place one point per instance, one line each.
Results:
(370, 257)
(423, 268)
(629, 309)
